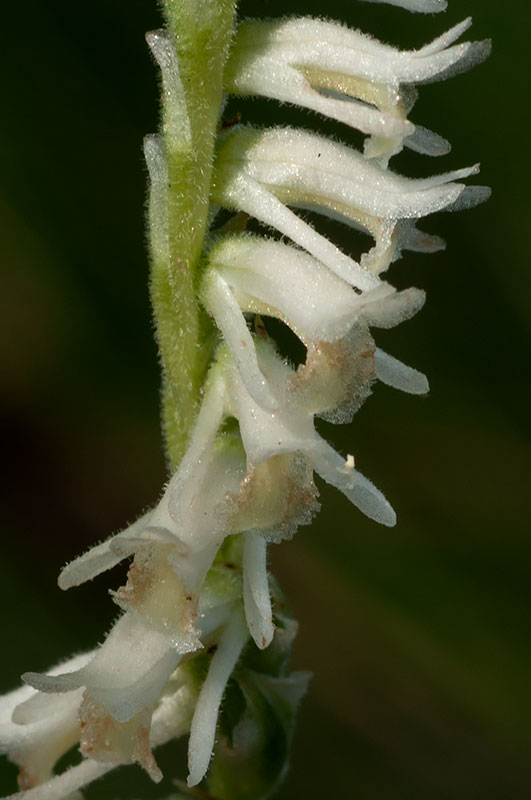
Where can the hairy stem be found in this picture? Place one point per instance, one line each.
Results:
(201, 33)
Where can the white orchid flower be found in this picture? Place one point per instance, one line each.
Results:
(275, 279)
(348, 76)
(240, 420)
(264, 172)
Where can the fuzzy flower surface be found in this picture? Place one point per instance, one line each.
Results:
(200, 618)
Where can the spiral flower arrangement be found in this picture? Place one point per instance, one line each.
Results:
(199, 611)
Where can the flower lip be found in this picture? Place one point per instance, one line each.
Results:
(291, 429)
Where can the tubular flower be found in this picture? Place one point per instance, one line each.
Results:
(345, 75)
(199, 611)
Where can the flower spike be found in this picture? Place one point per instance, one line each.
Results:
(198, 609)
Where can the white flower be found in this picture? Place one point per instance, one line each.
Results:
(40, 732)
(36, 730)
(290, 429)
(203, 726)
(347, 75)
(261, 172)
(248, 470)
(251, 274)
(272, 278)
(113, 704)
(169, 612)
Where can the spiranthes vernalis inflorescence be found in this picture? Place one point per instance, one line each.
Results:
(200, 617)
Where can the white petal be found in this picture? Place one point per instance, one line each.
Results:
(301, 167)
(125, 547)
(264, 433)
(203, 728)
(39, 706)
(179, 506)
(392, 372)
(173, 716)
(127, 673)
(457, 59)
(446, 39)
(256, 595)
(358, 489)
(170, 720)
(8, 703)
(190, 566)
(235, 190)
(261, 65)
(411, 238)
(470, 197)
(206, 426)
(427, 142)
(220, 301)
(393, 309)
(276, 279)
(424, 6)
(266, 51)
(99, 558)
(61, 786)
(196, 496)
(37, 746)
(303, 163)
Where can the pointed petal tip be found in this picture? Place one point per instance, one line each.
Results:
(153, 38)
(193, 779)
(391, 520)
(263, 637)
(417, 6)
(64, 583)
(31, 679)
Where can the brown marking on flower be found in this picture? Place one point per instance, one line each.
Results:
(96, 729)
(275, 496)
(231, 122)
(143, 754)
(236, 224)
(336, 377)
(140, 581)
(27, 779)
(154, 590)
(103, 738)
(260, 328)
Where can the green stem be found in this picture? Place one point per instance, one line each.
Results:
(201, 31)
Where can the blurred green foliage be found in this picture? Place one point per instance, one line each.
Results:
(418, 637)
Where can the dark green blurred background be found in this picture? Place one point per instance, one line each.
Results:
(418, 636)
